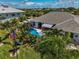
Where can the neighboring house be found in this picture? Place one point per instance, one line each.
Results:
(7, 12)
(60, 20)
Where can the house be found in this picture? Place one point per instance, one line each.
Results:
(51, 19)
(7, 12)
(59, 20)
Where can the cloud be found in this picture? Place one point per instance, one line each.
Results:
(29, 3)
(67, 3)
(33, 4)
(56, 4)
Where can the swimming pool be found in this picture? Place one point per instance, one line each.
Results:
(36, 32)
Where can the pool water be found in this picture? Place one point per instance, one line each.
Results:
(35, 32)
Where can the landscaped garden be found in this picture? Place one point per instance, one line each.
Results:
(17, 43)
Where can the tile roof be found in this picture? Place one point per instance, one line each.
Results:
(54, 17)
(70, 26)
(63, 20)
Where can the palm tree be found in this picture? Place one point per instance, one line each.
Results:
(21, 19)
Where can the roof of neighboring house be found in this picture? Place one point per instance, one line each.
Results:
(54, 17)
(63, 20)
(8, 9)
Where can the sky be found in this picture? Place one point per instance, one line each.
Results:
(28, 0)
(41, 3)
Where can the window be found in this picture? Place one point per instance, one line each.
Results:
(33, 23)
(13, 14)
(76, 35)
(18, 13)
(39, 24)
(6, 14)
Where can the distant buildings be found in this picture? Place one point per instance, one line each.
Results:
(7, 13)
